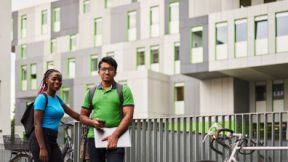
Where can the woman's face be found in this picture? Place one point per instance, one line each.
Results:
(54, 81)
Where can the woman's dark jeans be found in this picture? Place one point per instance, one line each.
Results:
(100, 154)
(50, 138)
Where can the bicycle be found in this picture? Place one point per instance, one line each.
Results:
(19, 148)
(67, 148)
(234, 143)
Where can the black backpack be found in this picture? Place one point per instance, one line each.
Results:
(28, 117)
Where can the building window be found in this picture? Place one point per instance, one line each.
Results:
(98, 31)
(23, 26)
(154, 54)
(71, 67)
(56, 20)
(278, 91)
(23, 52)
(94, 64)
(177, 51)
(132, 25)
(50, 65)
(33, 76)
(23, 78)
(261, 35)
(65, 95)
(268, 1)
(53, 46)
(179, 98)
(107, 3)
(111, 54)
(140, 56)
(260, 92)
(73, 42)
(89, 85)
(197, 44)
(281, 31)
(86, 6)
(154, 21)
(174, 17)
(221, 41)
(245, 3)
(44, 22)
(241, 38)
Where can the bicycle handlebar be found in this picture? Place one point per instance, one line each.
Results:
(220, 140)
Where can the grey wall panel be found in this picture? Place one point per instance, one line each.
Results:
(119, 22)
(191, 94)
(69, 16)
(241, 96)
(15, 28)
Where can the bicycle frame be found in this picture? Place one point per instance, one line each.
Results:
(237, 146)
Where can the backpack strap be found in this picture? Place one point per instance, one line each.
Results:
(90, 96)
(120, 93)
(46, 100)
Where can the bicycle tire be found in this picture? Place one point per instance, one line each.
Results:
(22, 158)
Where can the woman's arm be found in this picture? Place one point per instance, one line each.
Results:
(38, 115)
(71, 112)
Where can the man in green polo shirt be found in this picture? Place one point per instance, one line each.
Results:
(107, 112)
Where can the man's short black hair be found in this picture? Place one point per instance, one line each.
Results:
(109, 60)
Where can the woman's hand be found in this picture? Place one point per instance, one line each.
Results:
(43, 155)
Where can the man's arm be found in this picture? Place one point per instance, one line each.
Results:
(123, 126)
(84, 118)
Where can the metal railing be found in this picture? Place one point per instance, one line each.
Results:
(179, 139)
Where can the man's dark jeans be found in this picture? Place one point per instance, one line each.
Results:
(100, 154)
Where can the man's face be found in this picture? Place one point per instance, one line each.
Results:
(107, 72)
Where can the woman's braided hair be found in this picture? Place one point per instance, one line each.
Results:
(44, 86)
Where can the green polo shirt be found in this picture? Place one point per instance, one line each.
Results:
(107, 106)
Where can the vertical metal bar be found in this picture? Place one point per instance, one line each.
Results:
(133, 148)
(144, 143)
(243, 130)
(173, 140)
(155, 142)
(209, 150)
(265, 135)
(223, 149)
(184, 148)
(258, 135)
(150, 140)
(191, 152)
(178, 139)
(161, 140)
(250, 130)
(280, 135)
(138, 138)
(217, 157)
(196, 138)
(202, 137)
(273, 135)
(77, 131)
(167, 140)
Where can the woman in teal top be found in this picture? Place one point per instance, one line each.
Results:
(43, 141)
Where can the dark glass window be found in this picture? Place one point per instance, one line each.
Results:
(278, 91)
(245, 3)
(268, 1)
(177, 52)
(260, 93)
(179, 93)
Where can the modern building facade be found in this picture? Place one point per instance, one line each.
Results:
(5, 67)
(180, 57)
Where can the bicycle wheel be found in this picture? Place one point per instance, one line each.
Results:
(22, 158)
